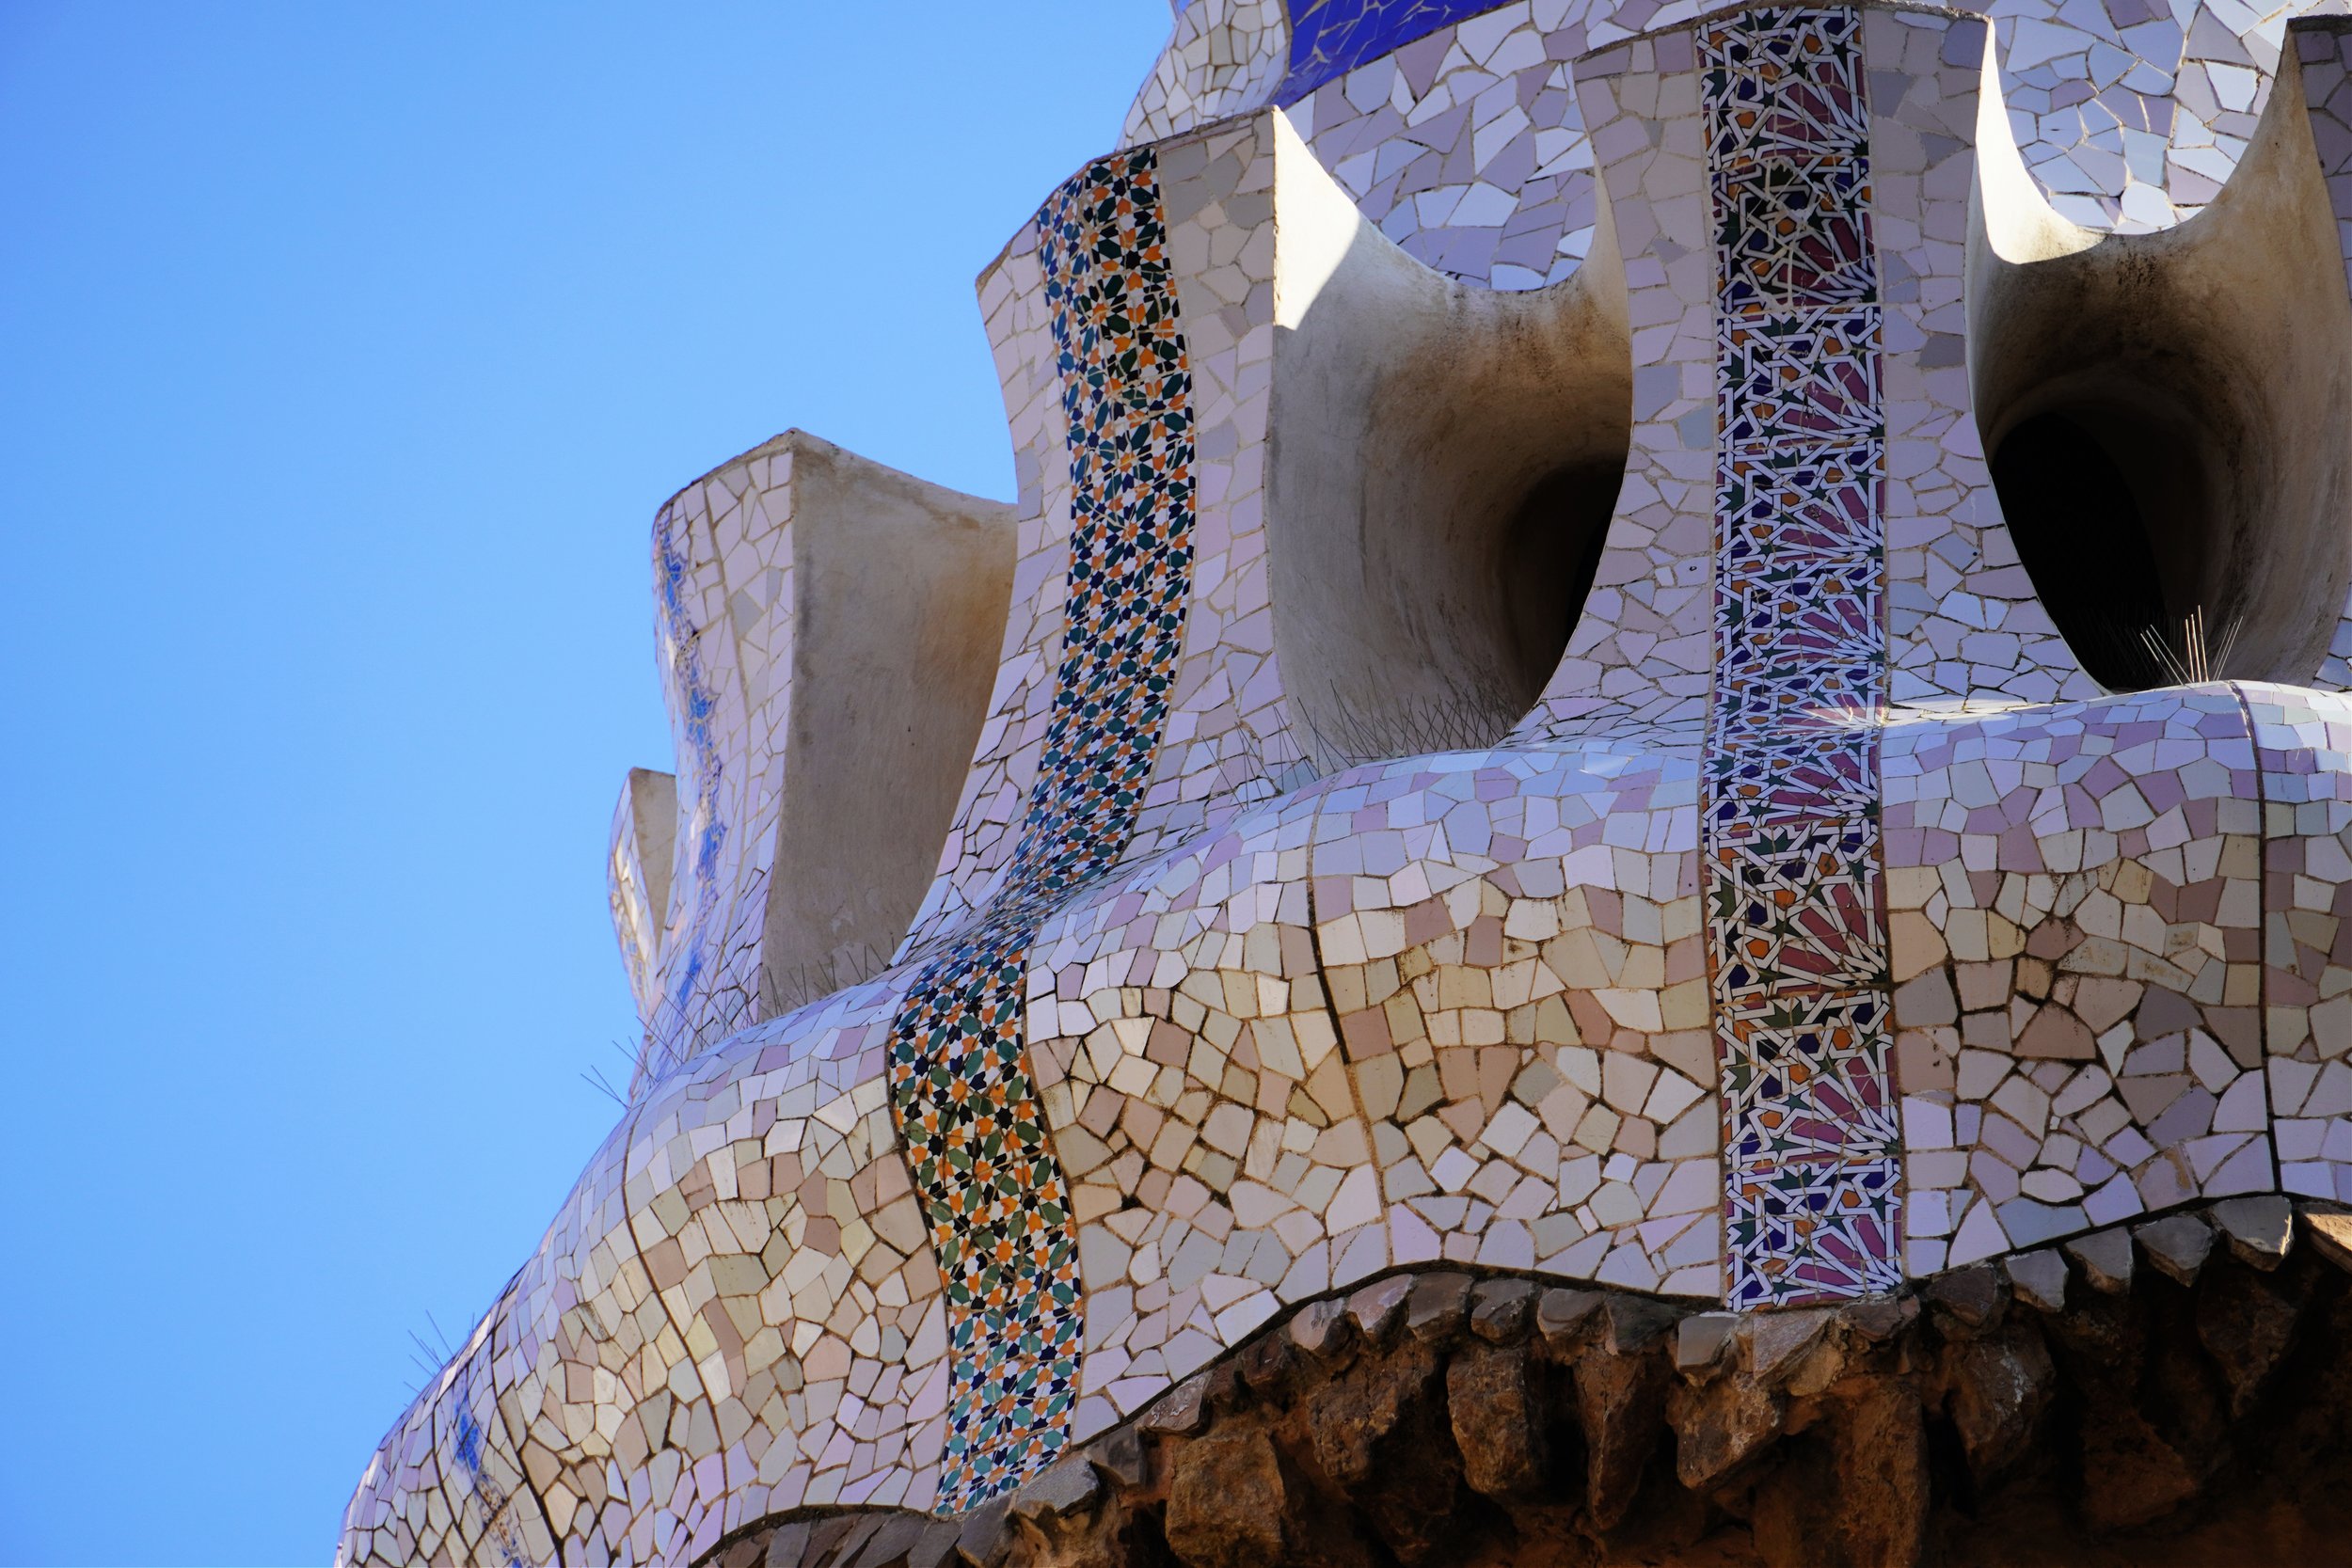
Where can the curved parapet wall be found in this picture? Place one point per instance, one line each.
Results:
(2211, 366)
(638, 867)
(804, 593)
(1454, 123)
(1225, 58)
(1408, 543)
(1447, 463)
(1819, 936)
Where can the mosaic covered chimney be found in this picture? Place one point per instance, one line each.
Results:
(1638, 845)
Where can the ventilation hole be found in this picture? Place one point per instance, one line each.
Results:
(1550, 554)
(2083, 541)
(1492, 600)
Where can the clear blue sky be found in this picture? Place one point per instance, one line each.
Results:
(345, 351)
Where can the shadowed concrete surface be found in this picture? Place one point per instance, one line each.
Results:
(1443, 465)
(830, 628)
(2207, 370)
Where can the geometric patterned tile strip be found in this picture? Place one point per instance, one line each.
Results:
(1793, 856)
(962, 1089)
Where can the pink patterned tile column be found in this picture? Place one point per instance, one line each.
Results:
(1792, 844)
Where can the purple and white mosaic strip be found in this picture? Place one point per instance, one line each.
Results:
(1793, 851)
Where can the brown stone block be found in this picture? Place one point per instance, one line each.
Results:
(1381, 1436)
(2131, 1474)
(1855, 1496)
(1998, 1390)
(1228, 1498)
(1495, 1402)
(2245, 1319)
(1621, 1404)
(1721, 1426)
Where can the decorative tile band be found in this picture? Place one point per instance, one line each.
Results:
(1794, 880)
(961, 1087)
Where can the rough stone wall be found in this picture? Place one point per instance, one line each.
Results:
(2175, 1393)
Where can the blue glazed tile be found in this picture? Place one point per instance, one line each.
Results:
(1331, 37)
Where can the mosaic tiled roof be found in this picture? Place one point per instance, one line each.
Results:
(1528, 740)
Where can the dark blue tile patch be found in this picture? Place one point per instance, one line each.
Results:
(1331, 37)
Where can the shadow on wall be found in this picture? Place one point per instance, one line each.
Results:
(2169, 416)
(1444, 465)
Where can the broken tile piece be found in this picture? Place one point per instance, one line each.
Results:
(2177, 1245)
(2039, 1278)
(2105, 1258)
(2258, 1229)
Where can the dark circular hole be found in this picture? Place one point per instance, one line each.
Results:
(2082, 540)
(1550, 554)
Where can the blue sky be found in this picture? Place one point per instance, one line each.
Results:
(345, 351)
